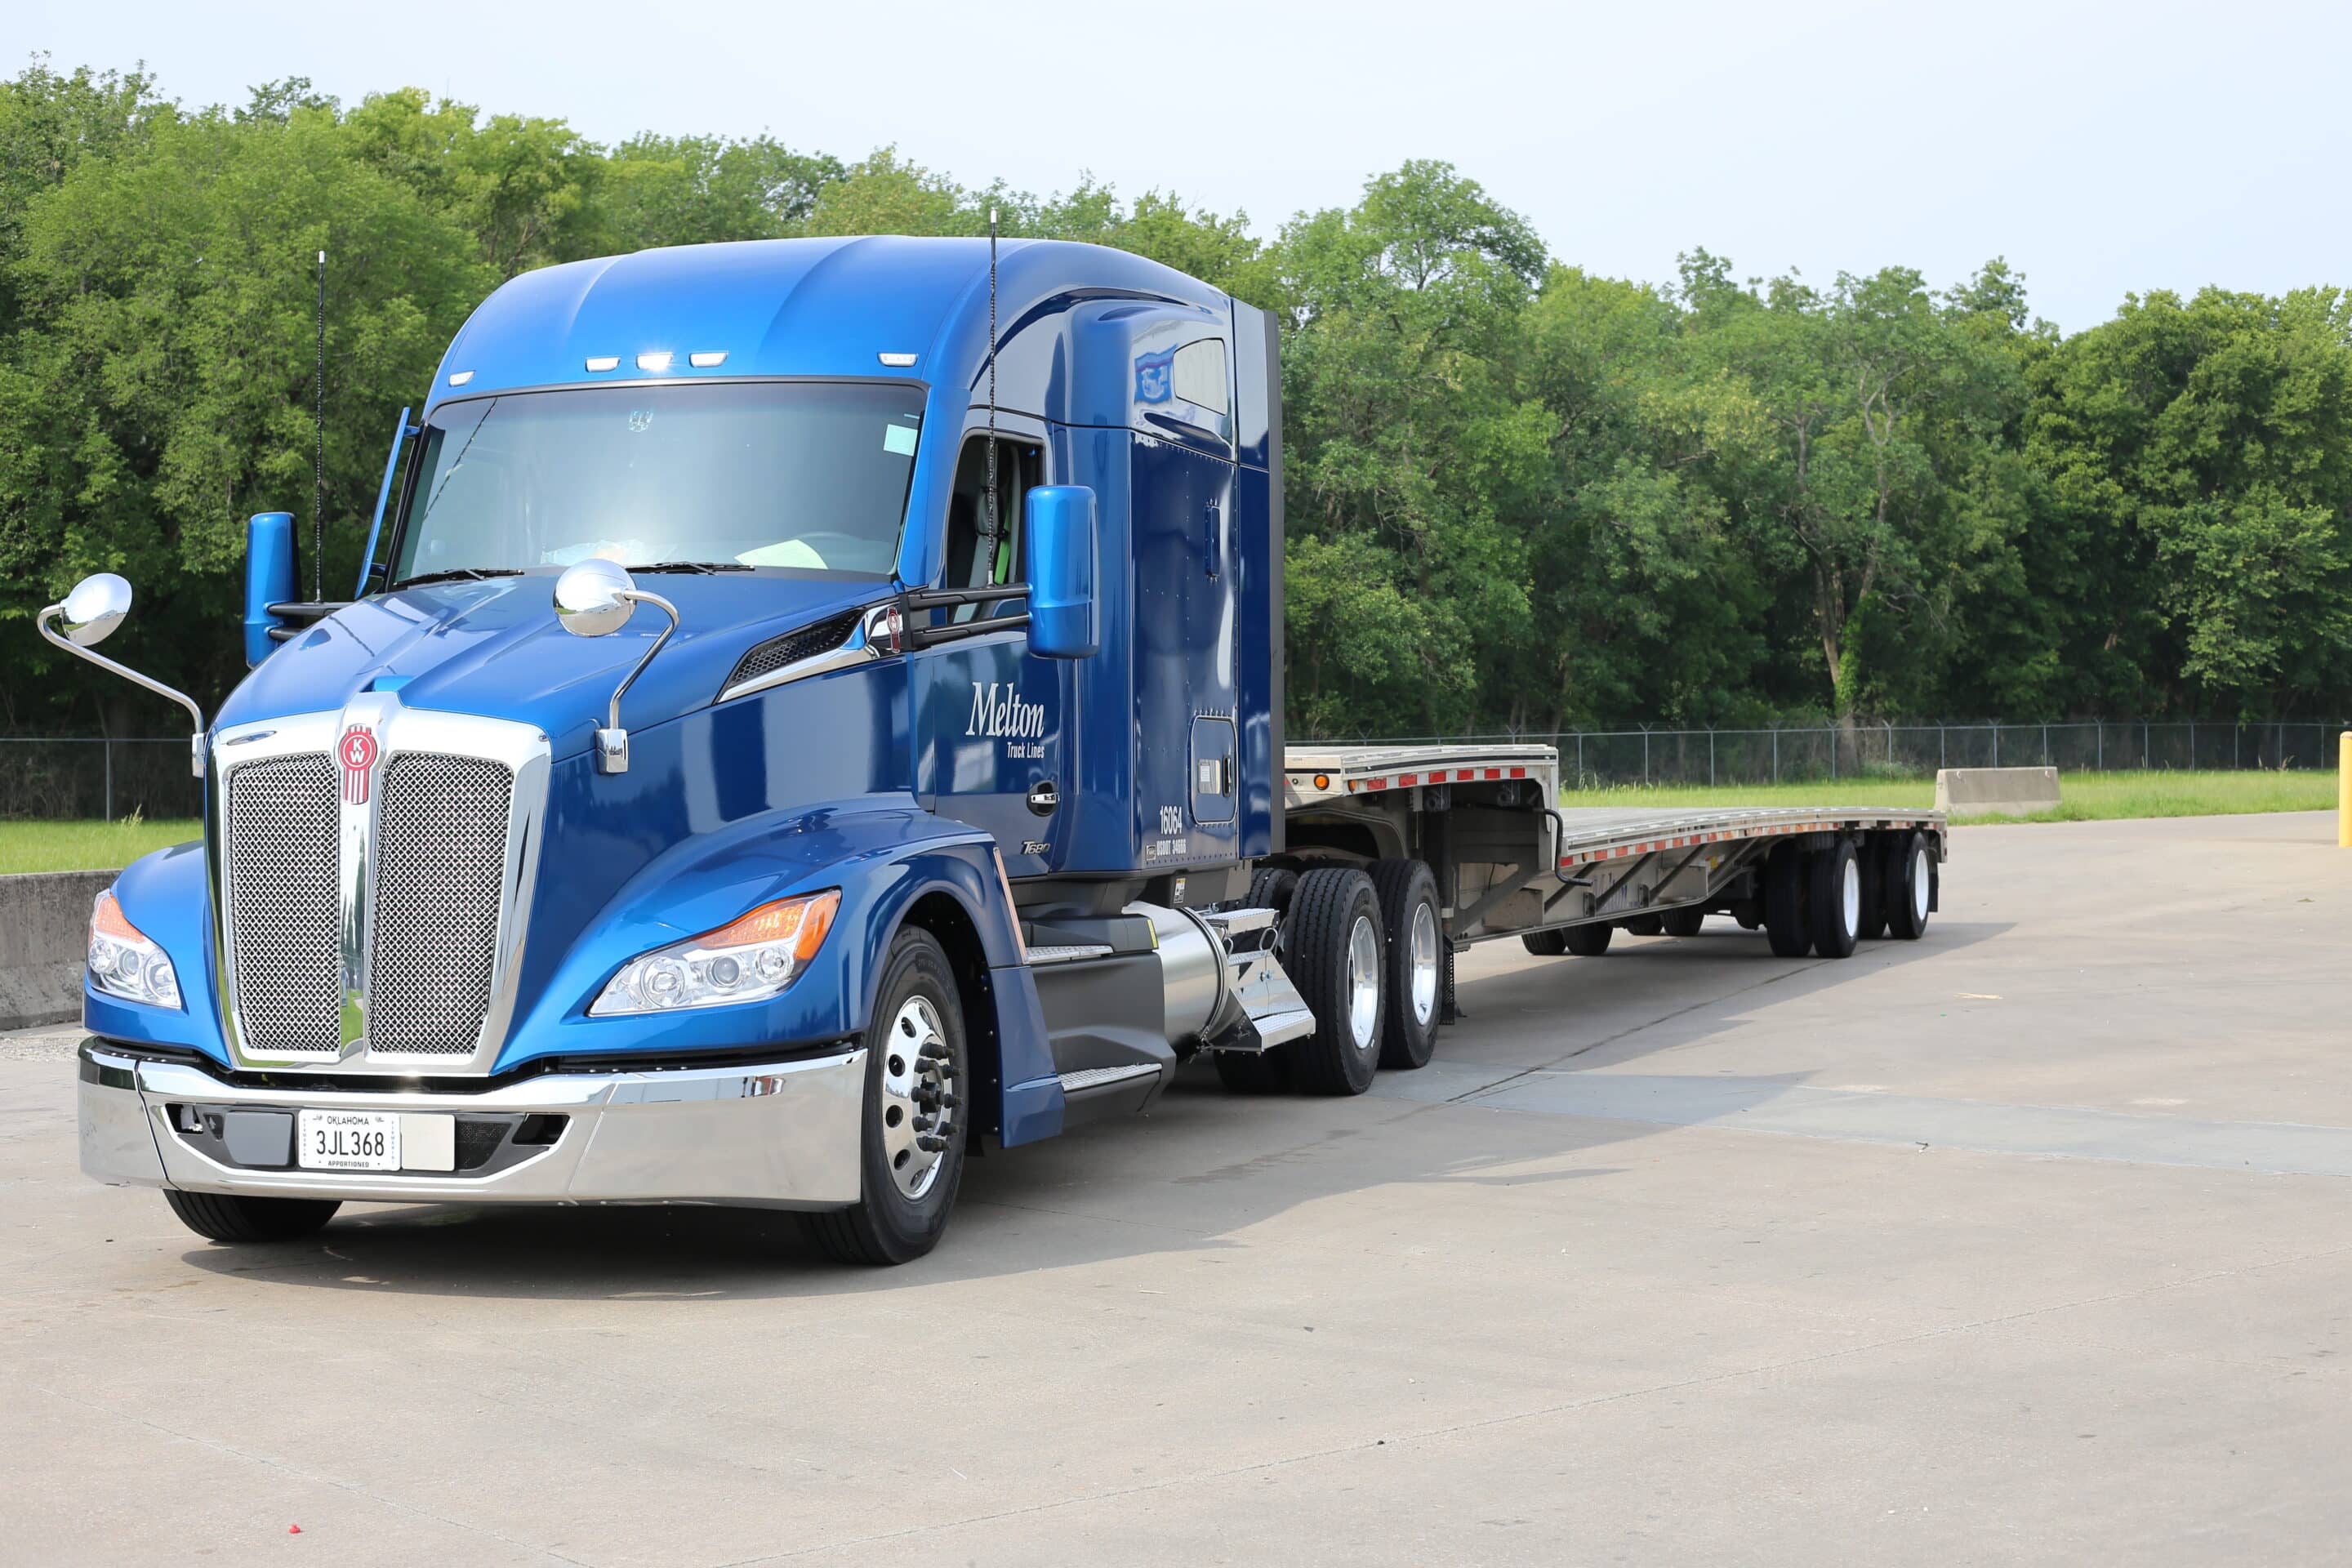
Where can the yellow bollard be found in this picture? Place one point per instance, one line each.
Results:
(2344, 791)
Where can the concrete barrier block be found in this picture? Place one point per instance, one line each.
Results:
(2012, 792)
(44, 937)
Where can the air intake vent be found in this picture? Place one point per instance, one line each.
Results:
(792, 648)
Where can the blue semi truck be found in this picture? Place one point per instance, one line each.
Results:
(812, 710)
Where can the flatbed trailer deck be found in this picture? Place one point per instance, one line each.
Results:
(1510, 861)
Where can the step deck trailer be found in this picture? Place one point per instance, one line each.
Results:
(1509, 862)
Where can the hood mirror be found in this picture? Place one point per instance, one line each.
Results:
(595, 598)
(88, 616)
(95, 607)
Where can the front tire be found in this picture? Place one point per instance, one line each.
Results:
(225, 1217)
(1415, 953)
(1334, 953)
(911, 1135)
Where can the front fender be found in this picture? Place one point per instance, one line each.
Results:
(881, 855)
(167, 895)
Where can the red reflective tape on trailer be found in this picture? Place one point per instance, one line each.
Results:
(1406, 781)
(1376, 784)
(1494, 773)
(1518, 773)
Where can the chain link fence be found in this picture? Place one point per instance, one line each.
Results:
(43, 777)
(58, 778)
(1597, 759)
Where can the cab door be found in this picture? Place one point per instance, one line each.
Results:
(992, 720)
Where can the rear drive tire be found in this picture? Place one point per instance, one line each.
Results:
(1833, 902)
(1644, 925)
(1784, 902)
(1590, 940)
(1545, 944)
(1909, 886)
(225, 1217)
(1270, 889)
(1415, 950)
(1872, 856)
(1334, 953)
(916, 1065)
(1683, 922)
(1267, 1072)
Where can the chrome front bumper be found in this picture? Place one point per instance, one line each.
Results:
(784, 1135)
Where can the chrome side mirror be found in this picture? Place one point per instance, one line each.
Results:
(90, 615)
(94, 608)
(595, 598)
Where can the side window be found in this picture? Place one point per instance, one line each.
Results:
(1199, 375)
(973, 560)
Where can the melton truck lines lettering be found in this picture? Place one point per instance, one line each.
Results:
(998, 711)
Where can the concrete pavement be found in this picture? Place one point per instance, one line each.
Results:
(2028, 1243)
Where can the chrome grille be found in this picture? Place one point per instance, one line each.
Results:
(440, 864)
(283, 907)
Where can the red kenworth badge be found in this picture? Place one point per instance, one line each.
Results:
(358, 751)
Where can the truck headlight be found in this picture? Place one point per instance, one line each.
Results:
(122, 960)
(747, 961)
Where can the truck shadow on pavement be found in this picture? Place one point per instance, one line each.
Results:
(1201, 1169)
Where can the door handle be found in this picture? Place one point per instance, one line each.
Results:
(1044, 798)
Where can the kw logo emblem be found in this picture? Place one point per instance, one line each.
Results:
(357, 752)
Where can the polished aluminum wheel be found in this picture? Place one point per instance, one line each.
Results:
(1424, 962)
(1850, 893)
(1363, 983)
(918, 1097)
(1923, 875)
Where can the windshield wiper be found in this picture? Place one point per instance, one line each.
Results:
(460, 574)
(704, 567)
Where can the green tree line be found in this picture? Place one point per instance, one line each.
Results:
(1519, 493)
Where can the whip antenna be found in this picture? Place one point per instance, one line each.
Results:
(993, 524)
(319, 448)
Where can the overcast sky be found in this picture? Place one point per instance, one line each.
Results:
(2103, 149)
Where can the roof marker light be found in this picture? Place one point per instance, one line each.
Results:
(604, 361)
(460, 378)
(655, 360)
(898, 362)
(705, 361)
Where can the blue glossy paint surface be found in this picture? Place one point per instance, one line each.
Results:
(896, 780)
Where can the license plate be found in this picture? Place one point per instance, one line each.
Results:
(347, 1140)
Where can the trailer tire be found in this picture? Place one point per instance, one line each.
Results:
(1872, 857)
(1684, 922)
(1545, 944)
(226, 1216)
(1784, 902)
(916, 1010)
(1833, 902)
(1644, 925)
(1415, 951)
(1334, 953)
(1590, 940)
(1909, 894)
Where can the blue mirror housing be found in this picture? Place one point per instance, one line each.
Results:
(1060, 560)
(269, 578)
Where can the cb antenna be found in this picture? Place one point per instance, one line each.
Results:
(992, 395)
(318, 448)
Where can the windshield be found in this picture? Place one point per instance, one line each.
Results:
(811, 476)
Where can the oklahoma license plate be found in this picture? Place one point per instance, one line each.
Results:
(347, 1140)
